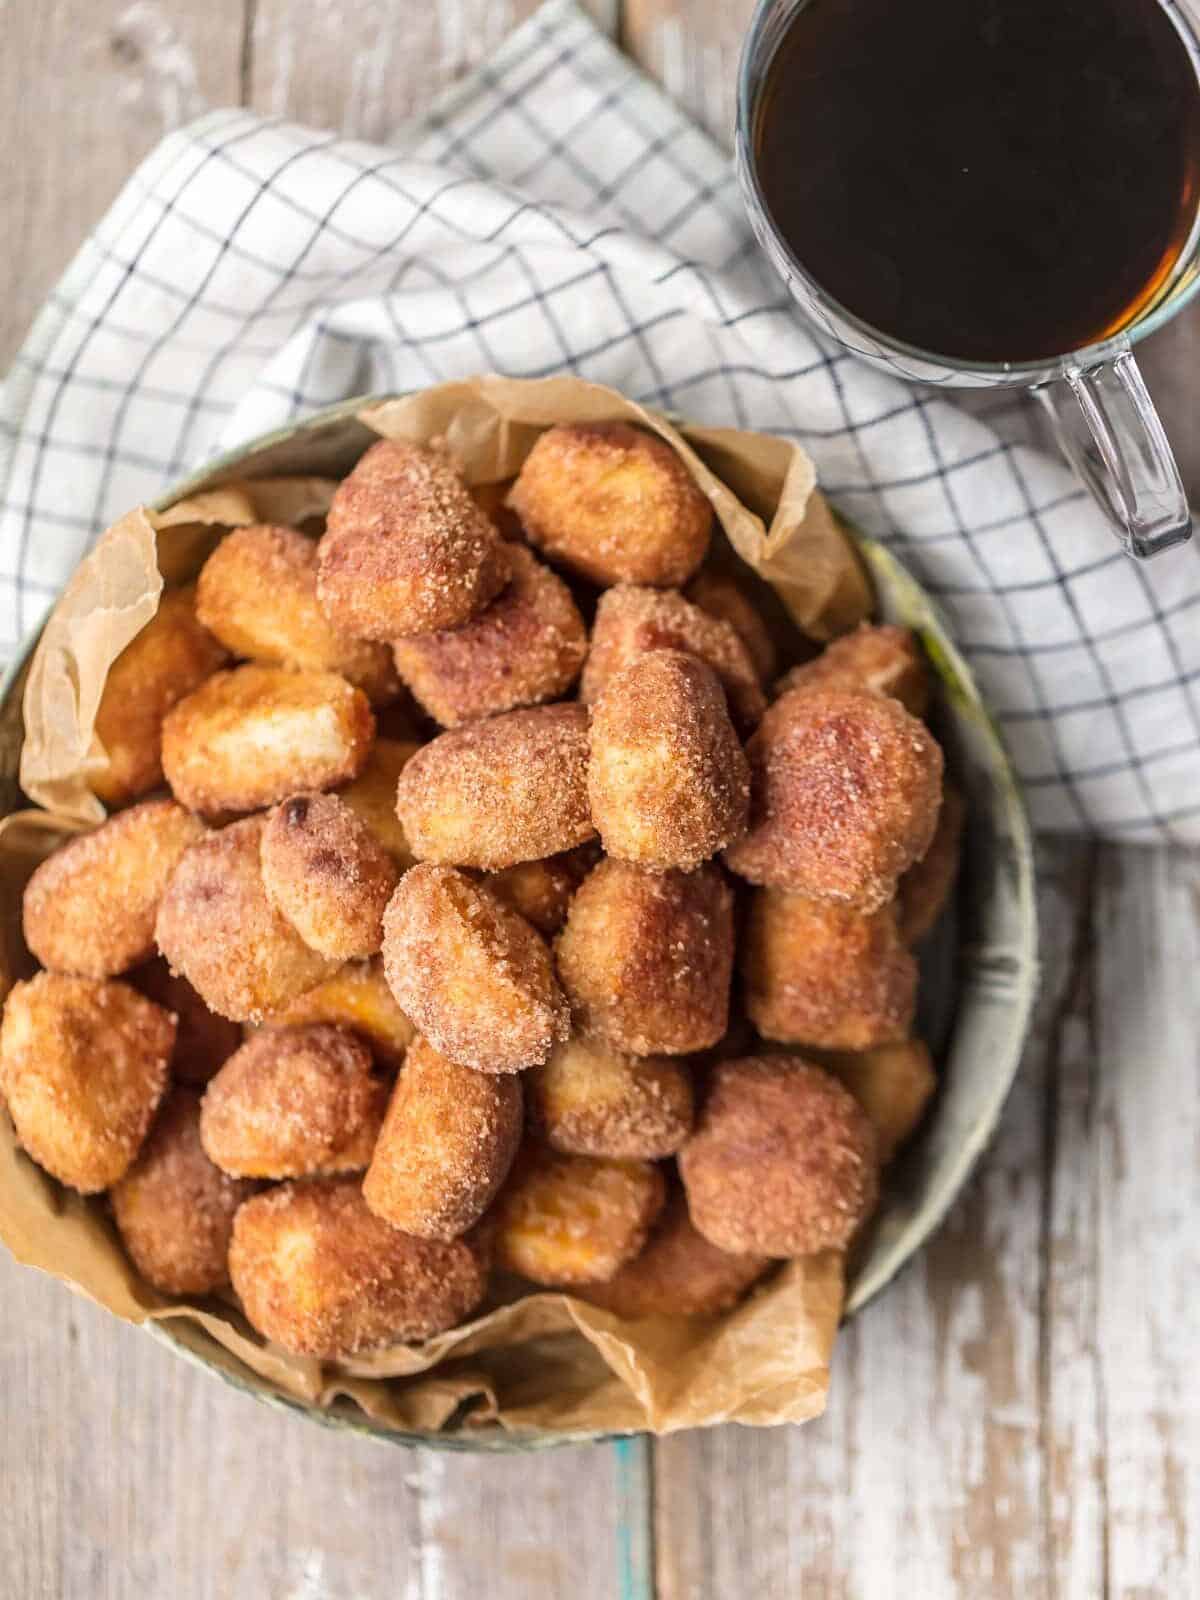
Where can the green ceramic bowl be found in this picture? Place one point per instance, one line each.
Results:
(979, 979)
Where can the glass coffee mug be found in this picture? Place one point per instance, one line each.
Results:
(1102, 414)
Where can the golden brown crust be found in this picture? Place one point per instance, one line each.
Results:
(587, 1100)
(355, 997)
(541, 890)
(171, 656)
(646, 958)
(257, 593)
(90, 907)
(526, 647)
(447, 1143)
(250, 737)
(845, 791)
(329, 875)
(83, 1066)
(490, 794)
(564, 1219)
(893, 1083)
(825, 975)
(321, 1276)
(472, 975)
(926, 887)
(678, 1274)
(783, 1161)
(612, 503)
(631, 621)
(174, 1210)
(294, 1103)
(217, 926)
(373, 795)
(879, 658)
(668, 784)
(721, 596)
(203, 1040)
(406, 550)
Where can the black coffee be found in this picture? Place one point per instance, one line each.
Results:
(993, 180)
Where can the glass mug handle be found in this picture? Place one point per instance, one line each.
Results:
(1120, 452)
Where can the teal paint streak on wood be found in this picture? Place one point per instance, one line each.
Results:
(634, 1464)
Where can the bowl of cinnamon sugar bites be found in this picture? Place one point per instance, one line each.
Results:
(478, 893)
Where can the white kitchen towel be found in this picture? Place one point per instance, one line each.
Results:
(557, 213)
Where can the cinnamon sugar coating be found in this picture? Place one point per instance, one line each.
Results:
(90, 907)
(472, 975)
(541, 890)
(926, 887)
(893, 1083)
(723, 597)
(406, 550)
(588, 1100)
(826, 975)
(845, 792)
(203, 1040)
(878, 657)
(355, 997)
(491, 794)
(783, 1161)
(328, 874)
(372, 795)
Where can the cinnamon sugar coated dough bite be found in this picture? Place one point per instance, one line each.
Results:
(893, 1083)
(171, 656)
(783, 1161)
(448, 1140)
(678, 1274)
(723, 597)
(83, 1066)
(631, 621)
(646, 958)
(880, 658)
(372, 795)
(328, 874)
(826, 975)
(173, 1209)
(320, 1275)
(588, 1100)
(472, 975)
(564, 1219)
(526, 647)
(491, 794)
(257, 593)
(294, 1103)
(926, 888)
(541, 890)
(406, 550)
(250, 737)
(90, 907)
(203, 1040)
(845, 793)
(216, 925)
(613, 503)
(355, 997)
(668, 785)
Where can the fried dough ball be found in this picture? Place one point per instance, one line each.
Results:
(783, 1161)
(587, 1100)
(168, 659)
(880, 658)
(528, 646)
(631, 621)
(474, 977)
(612, 503)
(646, 957)
(564, 1219)
(721, 596)
(321, 1276)
(217, 926)
(356, 997)
(83, 1066)
(406, 550)
(490, 498)
(373, 795)
(447, 1143)
(926, 887)
(826, 975)
(294, 1103)
(174, 1210)
(257, 593)
(668, 785)
(328, 873)
(250, 737)
(893, 1083)
(203, 1041)
(678, 1274)
(512, 788)
(90, 907)
(541, 890)
(845, 792)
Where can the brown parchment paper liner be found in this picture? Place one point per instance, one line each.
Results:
(533, 1360)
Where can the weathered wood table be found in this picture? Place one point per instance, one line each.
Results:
(1018, 1415)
